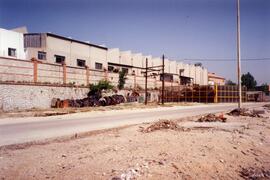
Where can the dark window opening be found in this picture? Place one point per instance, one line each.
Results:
(98, 65)
(110, 68)
(41, 55)
(167, 77)
(80, 62)
(59, 59)
(12, 52)
(125, 70)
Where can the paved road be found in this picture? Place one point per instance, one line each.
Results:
(20, 130)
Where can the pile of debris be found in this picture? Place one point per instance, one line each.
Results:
(161, 124)
(90, 101)
(255, 173)
(212, 118)
(267, 106)
(244, 112)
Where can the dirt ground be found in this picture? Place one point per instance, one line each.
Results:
(196, 150)
(70, 110)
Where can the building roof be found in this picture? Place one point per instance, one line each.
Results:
(213, 75)
(69, 39)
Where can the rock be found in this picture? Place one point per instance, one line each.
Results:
(116, 178)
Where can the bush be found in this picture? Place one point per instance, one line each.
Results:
(95, 89)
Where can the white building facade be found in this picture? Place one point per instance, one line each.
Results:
(12, 44)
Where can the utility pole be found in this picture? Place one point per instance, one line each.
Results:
(146, 69)
(163, 80)
(239, 56)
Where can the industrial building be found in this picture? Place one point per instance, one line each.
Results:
(58, 50)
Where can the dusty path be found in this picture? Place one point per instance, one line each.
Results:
(204, 151)
(20, 130)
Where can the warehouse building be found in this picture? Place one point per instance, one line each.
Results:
(58, 50)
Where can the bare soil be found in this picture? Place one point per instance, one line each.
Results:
(191, 150)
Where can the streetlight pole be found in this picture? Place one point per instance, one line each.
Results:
(239, 56)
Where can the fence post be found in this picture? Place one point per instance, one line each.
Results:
(64, 72)
(106, 74)
(35, 69)
(216, 94)
(87, 75)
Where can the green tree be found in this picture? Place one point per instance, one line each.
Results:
(248, 81)
(95, 89)
(122, 79)
(230, 82)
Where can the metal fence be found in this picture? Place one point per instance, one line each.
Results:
(203, 94)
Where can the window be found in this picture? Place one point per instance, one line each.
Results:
(110, 68)
(41, 55)
(12, 52)
(125, 70)
(80, 62)
(59, 59)
(167, 77)
(98, 65)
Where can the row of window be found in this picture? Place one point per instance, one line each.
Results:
(61, 59)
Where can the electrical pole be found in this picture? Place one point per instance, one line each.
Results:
(163, 80)
(146, 69)
(239, 56)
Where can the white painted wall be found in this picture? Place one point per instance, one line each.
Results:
(11, 39)
(125, 57)
(114, 55)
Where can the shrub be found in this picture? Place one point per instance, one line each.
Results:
(95, 89)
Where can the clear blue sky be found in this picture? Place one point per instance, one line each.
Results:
(179, 28)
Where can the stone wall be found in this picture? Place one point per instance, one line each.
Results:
(19, 97)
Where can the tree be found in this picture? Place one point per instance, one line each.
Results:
(230, 82)
(248, 81)
(122, 79)
(95, 89)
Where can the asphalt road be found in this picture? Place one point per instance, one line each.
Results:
(20, 130)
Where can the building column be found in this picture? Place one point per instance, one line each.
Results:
(106, 74)
(87, 75)
(64, 73)
(35, 69)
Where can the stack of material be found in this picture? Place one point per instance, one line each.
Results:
(161, 124)
(90, 101)
(212, 118)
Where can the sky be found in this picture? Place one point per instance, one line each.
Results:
(180, 29)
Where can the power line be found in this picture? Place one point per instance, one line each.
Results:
(206, 59)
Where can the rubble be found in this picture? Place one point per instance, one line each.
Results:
(161, 124)
(244, 112)
(267, 106)
(255, 173)
(212, 118)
